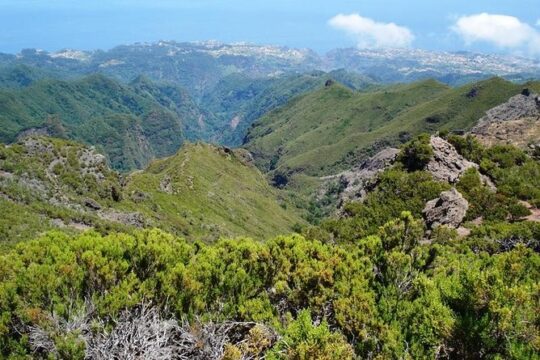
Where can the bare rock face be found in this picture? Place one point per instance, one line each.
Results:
(36, 146)
(448, 209)
(446, 164)
(381, 160)
(523, 105)
(359, 180)
(165, 185)
(92, 204)
(516, 122)
(93, 163)
(127, 218)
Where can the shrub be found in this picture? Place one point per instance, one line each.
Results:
(416, 154)
(305, 341)
(469, 147)
(444, 133)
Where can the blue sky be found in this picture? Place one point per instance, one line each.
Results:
(429, 24)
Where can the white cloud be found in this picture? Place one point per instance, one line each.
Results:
(372, 34)
(500, 30)
(538, 22)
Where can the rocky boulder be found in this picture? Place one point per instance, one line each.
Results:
(127, 218)
(166, 185)
(380, 161)
(448, 209)
(358, 181)
(519, 106)
(517, 122)
(446, 164)
(92, 204)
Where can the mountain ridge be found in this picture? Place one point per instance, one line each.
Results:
(201, 192)
(199, 66)
(328, 130)
(130, 125)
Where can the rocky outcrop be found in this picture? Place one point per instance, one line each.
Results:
(61, 174)
(446, 164)
(92, 204)
(381, 160)
(139, 196)
(36, 146)
(92, 163)
(165, 185)
(517, 107)
(127, 218)
(516, 122)
(358, 181)
(32, 132)
(244, 156)
(448, 209)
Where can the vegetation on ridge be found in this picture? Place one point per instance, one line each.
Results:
(129, 126)
(330, 129)
(203, 192)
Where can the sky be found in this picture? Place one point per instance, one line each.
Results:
(493, 26)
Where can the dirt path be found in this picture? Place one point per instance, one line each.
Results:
(535, 213)
(535, 216)
(185, 161)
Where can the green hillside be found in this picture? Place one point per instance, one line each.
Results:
(135, 122)
(129, 125)
(331, 128)
(18, 76)
(238, 100)
(199, 125)
(372, 284)
(45, 183)
(320, 121)
(208, 191)
(185, 257)
(203, 192)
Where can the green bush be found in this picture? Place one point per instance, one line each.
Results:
(305, 341)
(468, 146)
(396, 191)
(487, 204)
(386, 295)
(368, 285)
(416, 154)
